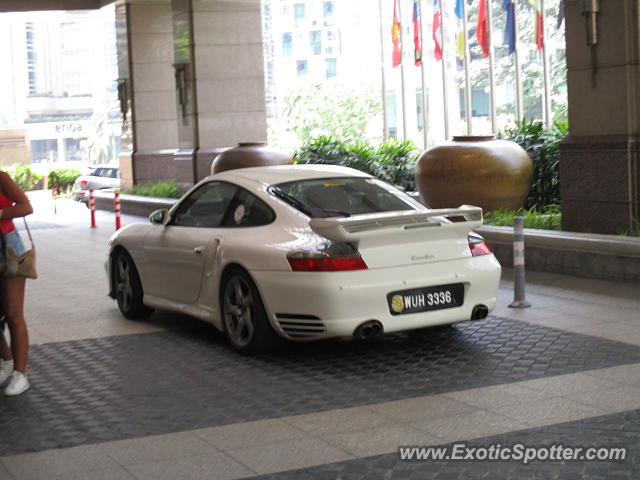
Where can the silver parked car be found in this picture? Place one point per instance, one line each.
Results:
(103, 177)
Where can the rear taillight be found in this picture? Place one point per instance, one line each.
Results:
(334, 257)
(478, 246)
(83, 182)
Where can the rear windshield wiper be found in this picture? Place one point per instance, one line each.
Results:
(290, 200)
(302, 207)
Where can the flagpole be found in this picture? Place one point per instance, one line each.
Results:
(402, 82)
(445, 93)
(425, 98)
(385, 121)
(492, 79)
(467, 84)
(546, 67)
(516, 61)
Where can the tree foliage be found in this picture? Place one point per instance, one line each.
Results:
(98, 148)
(63, 178)
(393, 161)
(24, 176)
(543, 146)
(331, 109)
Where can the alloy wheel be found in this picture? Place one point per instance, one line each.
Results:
(239, 311)
(124, 288)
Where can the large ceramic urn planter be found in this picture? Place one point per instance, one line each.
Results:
(473, 170)
(249, 155)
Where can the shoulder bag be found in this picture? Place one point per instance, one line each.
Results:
(20, 265)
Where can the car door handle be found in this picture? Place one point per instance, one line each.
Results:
(198, 250)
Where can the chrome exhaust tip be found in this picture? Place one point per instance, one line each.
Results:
(479, 312)
(369, 330)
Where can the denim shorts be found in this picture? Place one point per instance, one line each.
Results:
(14, 240)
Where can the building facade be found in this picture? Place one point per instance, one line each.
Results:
(61, 88)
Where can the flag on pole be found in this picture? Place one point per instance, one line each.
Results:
(417, 44)
(460, 41)
(481, 30)
(437, 51)
(510, 25)
(537, 6)
(396, 56)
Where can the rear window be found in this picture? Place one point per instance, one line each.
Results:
(333, 197)
(106, 172)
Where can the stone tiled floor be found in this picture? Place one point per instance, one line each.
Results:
(616, 429)
(348, 428)
(118, 387)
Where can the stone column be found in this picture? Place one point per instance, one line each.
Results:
(599, 170)
(229, 75)
(195, 77)
(145, 44)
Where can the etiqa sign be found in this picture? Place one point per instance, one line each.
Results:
(70, 127)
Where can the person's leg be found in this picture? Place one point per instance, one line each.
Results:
(5, 351)
(13, 299)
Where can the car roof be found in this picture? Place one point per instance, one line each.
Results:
(287, 173)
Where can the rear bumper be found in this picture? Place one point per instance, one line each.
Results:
(334, 304)
(81, 195)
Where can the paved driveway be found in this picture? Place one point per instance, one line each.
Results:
(166, 398)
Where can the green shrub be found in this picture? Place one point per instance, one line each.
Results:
(62, 178)
(24, 177)
(543, 146)
(161, 189)
(548, 218)
(393, 161)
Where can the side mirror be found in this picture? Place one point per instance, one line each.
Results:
(159, 217)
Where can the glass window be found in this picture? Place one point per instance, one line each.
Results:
(343, 196)
(106, 173)
(419, 117)
(301, 67)
(328, 13)
(206, 206)
(73, 149)
(298, 13)
(392, 121)
(44, 150)
(479, 102)
(287, 44)
(315, 41)
(247, 210)
(331, 67)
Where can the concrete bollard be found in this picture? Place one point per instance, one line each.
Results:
(519, 300)
(92, 208)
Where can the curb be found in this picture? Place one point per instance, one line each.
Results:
(132, 204)
(605, 257)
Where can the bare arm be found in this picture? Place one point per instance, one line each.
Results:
(22, 207)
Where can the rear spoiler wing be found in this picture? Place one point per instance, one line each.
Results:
(362, 227)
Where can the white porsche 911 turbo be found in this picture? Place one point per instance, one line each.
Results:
(304, 252)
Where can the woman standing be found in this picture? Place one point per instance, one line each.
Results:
(13, 363)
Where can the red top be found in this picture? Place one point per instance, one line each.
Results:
(6, 225)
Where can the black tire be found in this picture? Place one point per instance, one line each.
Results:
(243, 315)
(127, 287)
